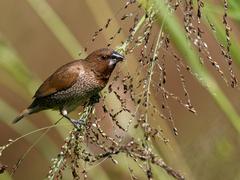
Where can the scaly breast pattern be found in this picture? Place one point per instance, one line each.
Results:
(86, 86)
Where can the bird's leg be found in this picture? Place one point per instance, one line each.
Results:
(77, 123)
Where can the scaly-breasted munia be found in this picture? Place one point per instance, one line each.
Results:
(74, 84)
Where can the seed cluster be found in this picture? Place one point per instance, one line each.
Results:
(140, 92)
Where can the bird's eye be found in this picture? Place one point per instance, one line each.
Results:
(103, 57)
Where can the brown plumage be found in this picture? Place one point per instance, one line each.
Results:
(74, 84)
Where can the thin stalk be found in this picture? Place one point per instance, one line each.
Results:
(176, 33)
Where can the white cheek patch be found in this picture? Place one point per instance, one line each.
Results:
(81, 72)
(112, 62)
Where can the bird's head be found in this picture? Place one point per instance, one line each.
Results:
(103, 61)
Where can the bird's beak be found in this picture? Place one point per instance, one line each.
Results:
(117, 56)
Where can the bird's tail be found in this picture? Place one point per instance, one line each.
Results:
(24, 113)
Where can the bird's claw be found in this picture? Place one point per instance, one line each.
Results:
(78, 123)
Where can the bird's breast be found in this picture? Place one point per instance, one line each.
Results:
(85, 87)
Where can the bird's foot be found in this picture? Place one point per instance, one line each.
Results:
(78, 124)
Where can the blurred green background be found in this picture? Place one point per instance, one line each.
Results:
(37, 36)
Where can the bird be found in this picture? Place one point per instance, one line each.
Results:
(74, 84)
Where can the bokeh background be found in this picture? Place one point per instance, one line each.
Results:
(37, 36)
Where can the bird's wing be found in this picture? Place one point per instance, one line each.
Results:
(61, 79)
